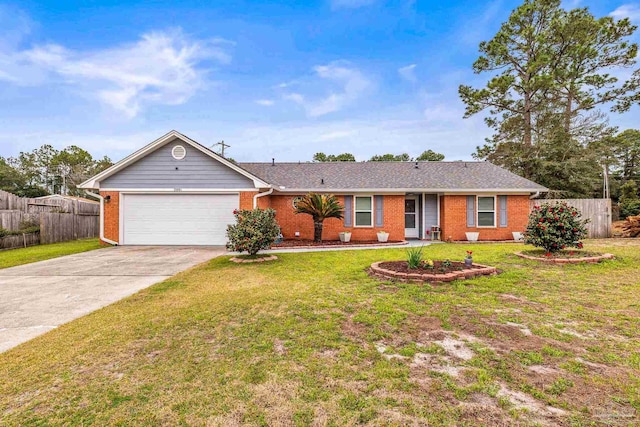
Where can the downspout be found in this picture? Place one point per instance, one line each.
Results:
(257, 196)
(99, 197)
(536, 194)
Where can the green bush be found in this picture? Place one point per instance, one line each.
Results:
(555, 226)
(254, 230)
(629, 208)
(629, 202)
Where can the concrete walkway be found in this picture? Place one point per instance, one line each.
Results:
(38, 297)
(409, 244)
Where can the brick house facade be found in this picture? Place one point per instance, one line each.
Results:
(176, 191)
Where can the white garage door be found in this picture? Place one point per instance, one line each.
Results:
(177, 219)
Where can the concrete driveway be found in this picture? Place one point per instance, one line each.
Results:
(35, 298)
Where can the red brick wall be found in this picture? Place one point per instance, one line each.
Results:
(111, 216)
(453, 218)
(393, 215)
(246, 199)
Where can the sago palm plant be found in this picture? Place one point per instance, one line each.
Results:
(320, 207)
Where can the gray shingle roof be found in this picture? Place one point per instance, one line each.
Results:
(390, 175)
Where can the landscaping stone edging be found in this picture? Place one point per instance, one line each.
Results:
(590, 259)
(252, 260)
(480, 270)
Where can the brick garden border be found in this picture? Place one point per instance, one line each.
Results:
(587, 259)
(479, 270)
(252, 260)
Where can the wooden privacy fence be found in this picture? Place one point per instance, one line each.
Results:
(11, 202)
(12, 220)
(60, 227)
(598, 211)
(59, 220)
(20, 241)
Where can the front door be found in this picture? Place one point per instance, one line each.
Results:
(411, 217)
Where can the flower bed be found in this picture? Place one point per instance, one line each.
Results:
(303, 243)
(246, 259)
(399, 270)
(564, 257)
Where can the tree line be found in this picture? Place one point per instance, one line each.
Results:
(46, 170)
(426, 156)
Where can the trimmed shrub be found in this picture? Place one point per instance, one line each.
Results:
(555, 226)
(254, 230)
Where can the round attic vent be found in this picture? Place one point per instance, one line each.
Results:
(178, 152)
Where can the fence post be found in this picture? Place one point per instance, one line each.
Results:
(42, 226)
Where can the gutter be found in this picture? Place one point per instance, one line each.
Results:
(257, 196)
(99, 197)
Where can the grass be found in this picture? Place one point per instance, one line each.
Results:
(13, 257)
(298, 341)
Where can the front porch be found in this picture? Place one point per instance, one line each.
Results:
(422, 216)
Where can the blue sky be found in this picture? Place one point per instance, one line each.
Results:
(281, 80)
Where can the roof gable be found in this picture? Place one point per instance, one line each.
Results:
(171, 137)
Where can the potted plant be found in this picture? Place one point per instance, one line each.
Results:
(472, 236)
(345, 236)
(383, 236)
(468, 259)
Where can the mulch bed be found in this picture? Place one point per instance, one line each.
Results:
(438, 267)
(399, 270)
(243, 259)
(564, 257)
(304, 243)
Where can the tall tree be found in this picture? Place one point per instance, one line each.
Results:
(627, 152)
(549, 74)
(520, 54)
(585, 51)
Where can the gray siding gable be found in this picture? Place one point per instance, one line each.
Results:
(159, 169)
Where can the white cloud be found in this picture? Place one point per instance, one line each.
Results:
(408, 73)
(265, 102)
(162, 68)
(443, 114)
(362, 138)
(350, 4)
(343, 82)
(630, 10)
(339, 134)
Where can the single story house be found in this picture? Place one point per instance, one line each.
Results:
(175, 191)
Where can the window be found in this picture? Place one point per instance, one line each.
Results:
(486, 211)
(178, 152)
(364, 211)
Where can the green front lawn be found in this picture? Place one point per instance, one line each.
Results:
(311, 339)
(13, 257)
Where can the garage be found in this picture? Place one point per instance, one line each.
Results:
(176, 219)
